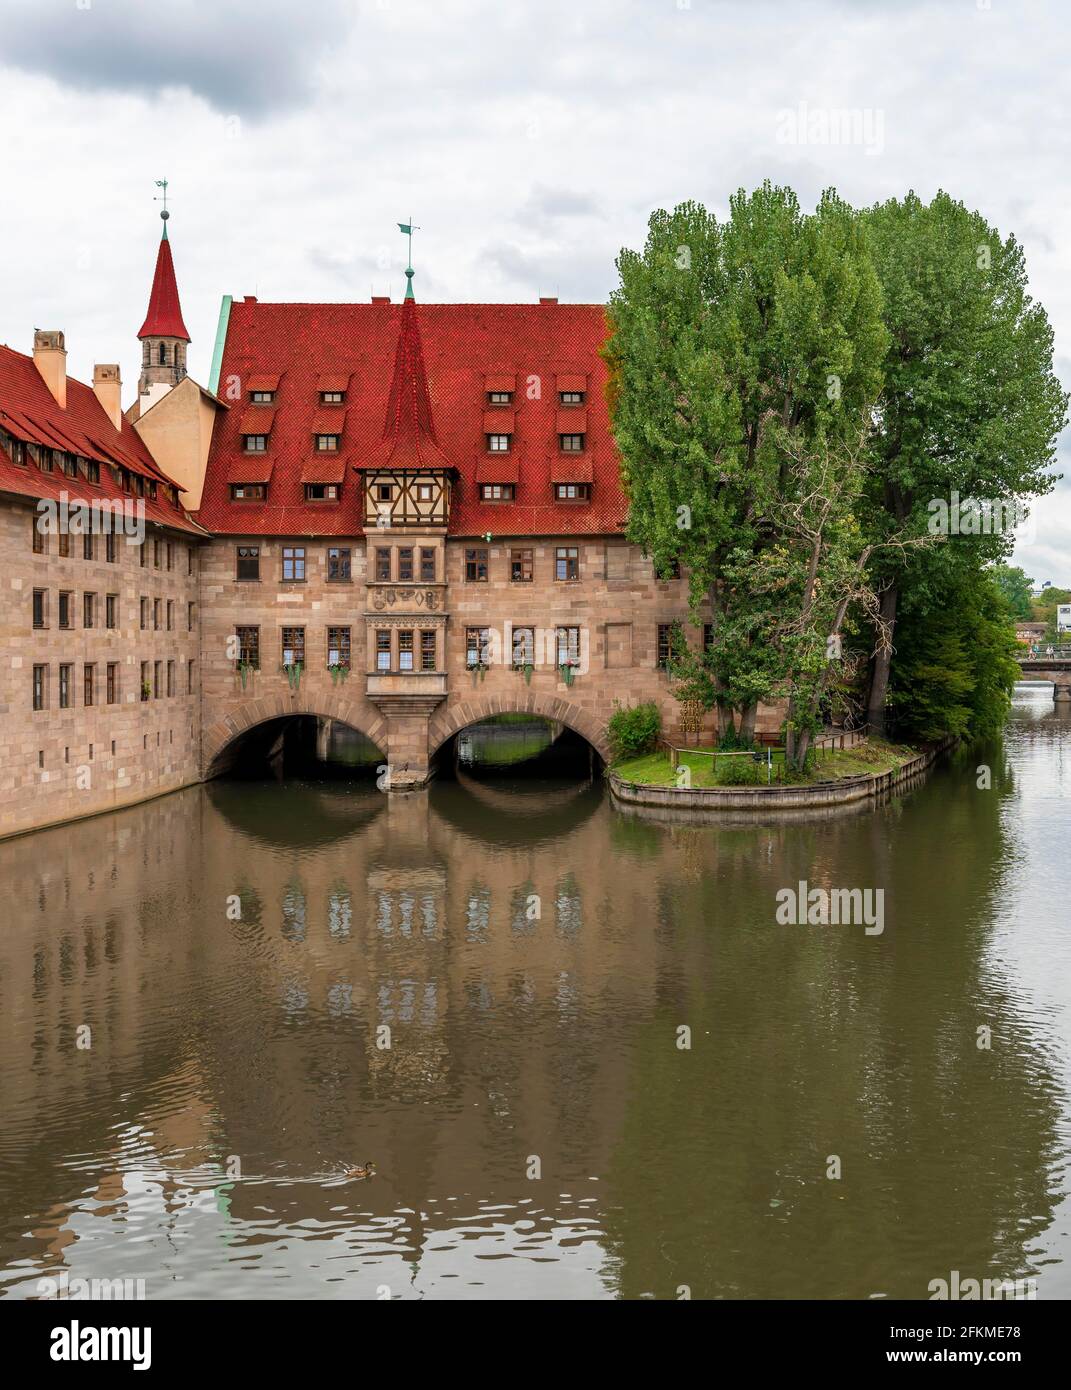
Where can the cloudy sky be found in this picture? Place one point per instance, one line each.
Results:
(528, 141)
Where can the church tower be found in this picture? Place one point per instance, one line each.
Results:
(163, 334)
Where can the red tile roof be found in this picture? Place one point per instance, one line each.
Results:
(29, 411)
(416, 398)
(164, 319)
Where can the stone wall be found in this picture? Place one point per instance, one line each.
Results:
(58, 764)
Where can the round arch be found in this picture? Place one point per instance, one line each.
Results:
(360, 715)
(459, 716)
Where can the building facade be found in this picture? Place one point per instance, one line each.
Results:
(403, 517)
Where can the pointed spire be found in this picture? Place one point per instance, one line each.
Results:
(164, 318)
(409, 430)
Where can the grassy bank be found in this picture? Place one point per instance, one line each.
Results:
(874, 756)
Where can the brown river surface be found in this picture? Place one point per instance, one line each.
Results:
(536, 1130)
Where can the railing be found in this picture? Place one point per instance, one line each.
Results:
(1048, 651)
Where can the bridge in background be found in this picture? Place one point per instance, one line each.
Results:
(1049, 663)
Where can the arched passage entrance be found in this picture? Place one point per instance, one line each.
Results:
(459, 716)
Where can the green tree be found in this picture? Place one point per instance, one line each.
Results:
(971, 403)
(1016, 588)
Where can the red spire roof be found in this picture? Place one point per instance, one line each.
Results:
(164, 319)
(408, 430)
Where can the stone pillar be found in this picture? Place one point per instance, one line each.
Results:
(1061, 694)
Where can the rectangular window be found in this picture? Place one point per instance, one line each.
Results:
(572, 492)
(39, 547)
(262, 397)
(256, 443)
(338, 646)
(520, 566)
(248, 492)
(248, 646)
(171, 555)
(248, 562)
(89, 546)
(425, 492)
(144, 613)
(171, 678)
(331, 397)
(66, 685)
(568, 646)
(327, 443)
(64, 545)
(112, 683)
(190, 677)
(338, 564)
(293, 646)
(428, 658)
(524, 646)
(189, 615)
(146, 684)
(111, 610)
(189, 559)
(111, 547)
(321, 492)
(708, 637)
(566, 562)
(427, 566)
(384, 492)
(571, 443)
(89, 610)
(156, 553)
(171, 615)
(40, 608)
(382, 650)
(499, 397)
(477, 646)
(89, 676)
(498, 443)
(144, 554)
(66, 615)
(157, 679)
(382, 565)
(476, 566)
(664, 647)
(405, 563)
(571, 397)
(405, 650)
(496, 492)
(156, 611)
(92, 470)
(40, 687)
(293, 564)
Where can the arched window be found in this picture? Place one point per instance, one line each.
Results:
(163, 354)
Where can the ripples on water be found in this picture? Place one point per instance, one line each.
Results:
(516, 1038)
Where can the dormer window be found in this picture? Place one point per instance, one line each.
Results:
(262, 397)
(321, 492)
(332, 397)
(248, 492)
(384, 492)
(256, 443)
(499, 397)
(571, 397)
(425, 492)
(571, 443)
(497, 492)
(44, 458)
(70, 465)
(326, 443)
(16, 449)
(572, 492)
(498, 443)
(92, 471)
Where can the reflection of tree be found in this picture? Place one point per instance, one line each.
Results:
(809, 1042)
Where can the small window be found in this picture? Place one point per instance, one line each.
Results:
(248, 492)
(338, 564)
(384, 492)
(293, 646)
(89, 679)
(144, 613)
(383, 565)
(92, 469)
(40, 687)
(571, 443)
(664, 648)
(327, 443)
(293, 564)
(476, 566)
(708, 637)
(89, 546)
(382, 650)
(111, 547)
(66, 605)
(499, 397)
(171, 678)
(524, 646)
(572, 492)
(338, 646)
(157, 679)
(40, 608)
(170, 555)
(321, 492)
(256, 443)
(566, 562)
(331, 397)
(520, 566)
(156, 553)
(89, 610)
(571, 397)
(64, 545)
(171, 615)
(70, 465)
(66, 686)
(478, 646)
(428, 648)
(405, 564)
(39, 546)
(146, 683)
(427, 566)
(498, 443)
(496, 492)
(189, 615)
(248, 562)
(425, 492)
(156, 611)
(262, 397)
(111, 610)
(568, 646)
(112, 683)
(405, 650)
(248, 646)
(143, 554)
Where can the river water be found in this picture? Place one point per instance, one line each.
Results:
(242, 953)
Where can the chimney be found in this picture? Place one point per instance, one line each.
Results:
(50, 359)
(108, 389)
(548, 299)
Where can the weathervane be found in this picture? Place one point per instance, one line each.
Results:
(162, 183)
(407, 229)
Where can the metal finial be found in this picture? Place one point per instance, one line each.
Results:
(164, 214)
